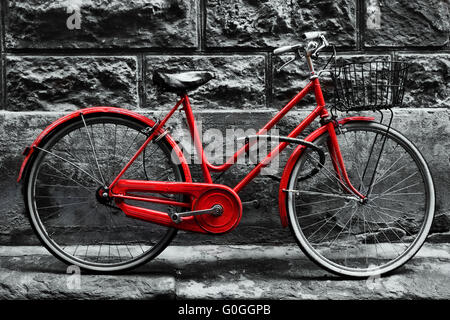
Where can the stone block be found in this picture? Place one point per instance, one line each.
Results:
(102, 24)
(428, 84)
(249, 23)
(64, 83)
(404, 23)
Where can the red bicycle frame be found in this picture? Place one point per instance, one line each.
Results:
(207, 167)
(119, 188)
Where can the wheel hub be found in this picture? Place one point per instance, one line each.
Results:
(227, 216)
(102, 195)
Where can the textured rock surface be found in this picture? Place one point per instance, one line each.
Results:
(250, 23)
(443, 237)
(285, 275)
(69, 83)
(16, 132)
(423, 127)
(44, 278)
(239, 81)
(429, 80)
(137, 23)
(410, 23)
(441, 223)
(221, 272)
(1, 77)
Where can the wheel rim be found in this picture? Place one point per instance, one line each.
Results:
(362, 239)
(65, 206)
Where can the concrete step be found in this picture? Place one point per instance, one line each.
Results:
(220, 272)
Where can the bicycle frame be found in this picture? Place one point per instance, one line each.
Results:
(207, 167)
(119, 187)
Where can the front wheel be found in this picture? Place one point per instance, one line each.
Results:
(354, 238)
(66, 180)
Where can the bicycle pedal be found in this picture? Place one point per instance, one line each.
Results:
(215, 210)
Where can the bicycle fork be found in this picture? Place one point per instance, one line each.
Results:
(338, 163)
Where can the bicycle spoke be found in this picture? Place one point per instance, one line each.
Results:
(343, 228)
(396, 219)
(63, 205)
(91, 167)
(356, 153)
(67, 177)
(384, 176)
(126, 152)
(69, 162)
(395, 192)
(400, 182)
(346, 234)
(401, 201)
(330, 175)
(141, 164)
(93, 150)
(326, 220)
(321, 212)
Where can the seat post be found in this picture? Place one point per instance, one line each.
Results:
(196, 137)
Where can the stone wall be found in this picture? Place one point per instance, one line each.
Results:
(48, 69)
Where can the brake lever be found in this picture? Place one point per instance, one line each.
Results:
(315, 54)
(324, 44)
(296, 56)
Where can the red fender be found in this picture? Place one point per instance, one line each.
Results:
(52, 127)
(293, 159)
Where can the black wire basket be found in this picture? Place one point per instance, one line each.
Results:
(372, 85)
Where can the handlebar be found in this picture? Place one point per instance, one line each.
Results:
(313, 35)
(284, 49)
(316, 43)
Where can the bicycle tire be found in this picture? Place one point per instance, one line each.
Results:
(316, 249)
(29, 192)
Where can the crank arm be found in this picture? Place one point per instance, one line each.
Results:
(216, 210)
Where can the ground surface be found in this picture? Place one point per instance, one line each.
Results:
(212, 272)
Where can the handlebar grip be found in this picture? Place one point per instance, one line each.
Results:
(286, 49)
(282, 50)
(313, 35)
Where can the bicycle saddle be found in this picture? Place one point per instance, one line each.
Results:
(181, 82)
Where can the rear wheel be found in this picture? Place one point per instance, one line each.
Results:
(64, 190)
(354, 238)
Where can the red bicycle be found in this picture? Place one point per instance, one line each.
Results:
(357, 195)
